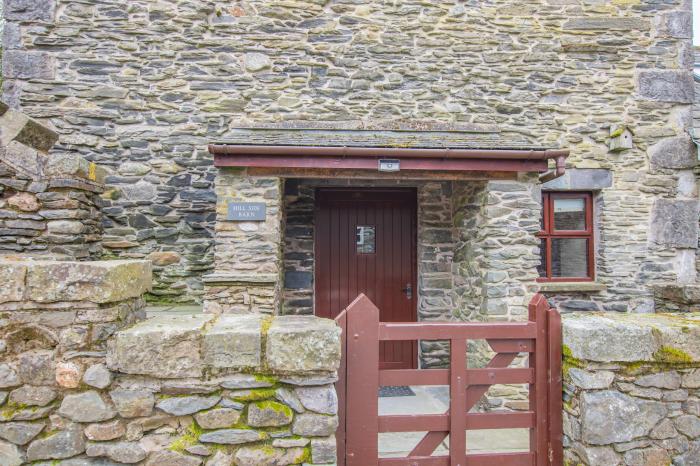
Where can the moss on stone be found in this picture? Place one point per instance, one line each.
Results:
(276, 407)
(266, 378)
(189, 438)
(304, 457)
(255, 394)
(670, 355)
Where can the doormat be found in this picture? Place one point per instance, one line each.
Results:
(388, 392)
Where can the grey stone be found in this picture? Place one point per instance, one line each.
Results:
(65, 227)
(96, 281)
(171, 458)
(290, 442)
(133, 168)
(183, 405)
(133, 403)
(97, 376)
(63, 444)
(20, 433)
(603, 339)
(688, 425)
(220, 458)
(606, 23)
(233, 342)
(164, 346)
(670, 380)
(315, 425)
(267, 456)
(29, 10)
(10, 455)
(269, 414)
(591, 380)
(610, 417)
(318, 399)
(20, 64)
(663, 430)
(231, 436)
(588, 179)
(323, 450)
(648, 457)
(86, 407)
(105, 431)
(8, 376)
(676, 24)
(256, 61)
(237, 381)
(289, 398)
(217, 418)
(37, 367)
(598, 456)
(199, 450)
(32, 396)
(303, 343)
(674, 223)
(666, 86)
(121, 452)
(141, 191)
(691, 379)
(691, 457)
(675, 153)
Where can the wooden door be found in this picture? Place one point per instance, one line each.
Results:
(365, 242)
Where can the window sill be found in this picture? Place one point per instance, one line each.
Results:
(560, 287)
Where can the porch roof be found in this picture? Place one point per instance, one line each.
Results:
(361, 150)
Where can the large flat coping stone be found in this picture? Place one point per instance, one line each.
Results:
(617, 337)
(99, 282)
(194, 345)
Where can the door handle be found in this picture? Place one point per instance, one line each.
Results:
(408, 291)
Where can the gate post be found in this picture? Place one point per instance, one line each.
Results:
(362, 404)
(539, 436)
(556, 404)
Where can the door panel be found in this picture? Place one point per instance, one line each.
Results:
(365, 242)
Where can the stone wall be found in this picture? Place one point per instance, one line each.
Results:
(632, 389)
(80, 384)
(49, 205)
(145, 89)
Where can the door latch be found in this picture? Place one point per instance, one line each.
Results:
(408, 291)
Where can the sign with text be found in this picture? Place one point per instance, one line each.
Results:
(246, 211)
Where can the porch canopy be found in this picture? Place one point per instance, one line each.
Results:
(321, 152)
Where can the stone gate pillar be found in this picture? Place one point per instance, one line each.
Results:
(248, 253)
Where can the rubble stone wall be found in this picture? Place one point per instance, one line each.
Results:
(631, 389)
(144, 89)
(84, 379)
(49, 205)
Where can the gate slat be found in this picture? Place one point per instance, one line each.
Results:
(472, 459)
(441, 331)
(441, 422)
(363, 369)
(485, 376)
(458, 402)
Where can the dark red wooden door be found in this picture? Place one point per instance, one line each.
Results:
(365, 242)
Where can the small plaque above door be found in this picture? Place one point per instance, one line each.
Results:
(246, 211)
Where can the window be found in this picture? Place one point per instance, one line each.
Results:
(566, 237)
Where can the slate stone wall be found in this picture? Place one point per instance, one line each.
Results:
(632, 389)
(144, 89)
(84, 380)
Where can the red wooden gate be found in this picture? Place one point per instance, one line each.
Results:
(360, 378)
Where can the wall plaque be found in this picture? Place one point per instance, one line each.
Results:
(246, 211)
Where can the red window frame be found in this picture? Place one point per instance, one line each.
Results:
(548, 233)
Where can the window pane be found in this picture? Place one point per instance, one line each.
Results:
(365, 239)
(569, 214)
(570, 257)
(542, 266)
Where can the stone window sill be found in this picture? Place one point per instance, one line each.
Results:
(581, 287)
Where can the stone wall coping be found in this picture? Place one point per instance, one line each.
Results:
(194, 345)
(618, 337)
(43, 282)
(240, 278)
(562, 287)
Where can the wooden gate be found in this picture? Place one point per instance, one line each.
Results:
(360, 379)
